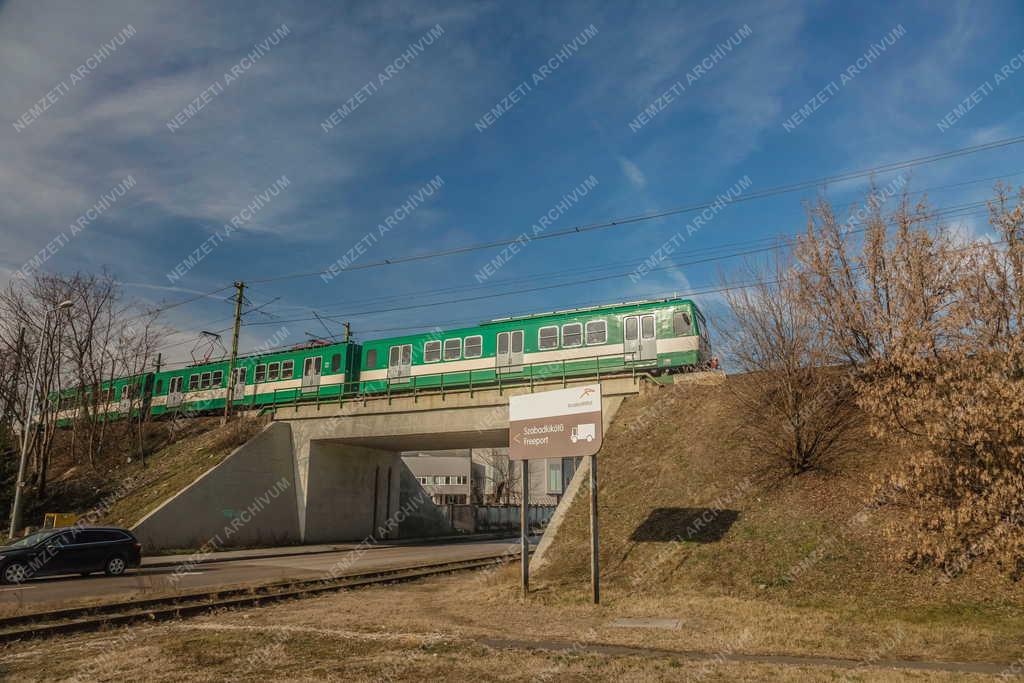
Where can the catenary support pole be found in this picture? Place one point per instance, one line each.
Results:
(240, 287)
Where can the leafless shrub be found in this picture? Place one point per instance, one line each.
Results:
(797, 407)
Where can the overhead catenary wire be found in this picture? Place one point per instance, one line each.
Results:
(768, 243)
(944, 212)
(562, 274)
(578, 282)
(628, 220)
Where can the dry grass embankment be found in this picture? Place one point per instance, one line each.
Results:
(176, 458)
(689, 515)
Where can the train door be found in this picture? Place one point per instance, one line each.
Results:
(238, 390)
(174, 395)
(400, 363)
(648, 341)
(509, 356)
(639, 339)
(311, 368)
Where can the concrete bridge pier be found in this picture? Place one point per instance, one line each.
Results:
(345, 491)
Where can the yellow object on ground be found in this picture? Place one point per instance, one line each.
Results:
(57, 520)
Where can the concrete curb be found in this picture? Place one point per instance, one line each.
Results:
(212, 558)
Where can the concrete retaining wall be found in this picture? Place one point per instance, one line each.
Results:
(572, 491)
(420, 517)
(248, 499)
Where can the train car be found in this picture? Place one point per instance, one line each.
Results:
(117, 398)
(659, 336)
(316, 371)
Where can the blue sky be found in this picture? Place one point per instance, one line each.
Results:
(418, 123)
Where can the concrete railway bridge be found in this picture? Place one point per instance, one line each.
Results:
(328, 472)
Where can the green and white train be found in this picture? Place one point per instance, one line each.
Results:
(659, 337)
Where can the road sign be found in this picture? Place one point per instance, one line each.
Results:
(555, 424)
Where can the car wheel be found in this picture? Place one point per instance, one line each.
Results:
(115, 566)
(15, 572)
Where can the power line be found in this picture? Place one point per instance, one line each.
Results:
(161, 309)
(769, 192)
(590, 280)
(566, 272)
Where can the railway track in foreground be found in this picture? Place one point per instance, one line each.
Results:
(91, 618)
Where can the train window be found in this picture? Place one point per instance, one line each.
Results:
(218, 378)
(261, 373)
(547, 337)
(406, 354)
(193, 382)
(631, 328)
(597, 332)
(647, 327)
(474, 347)
(452, 349)
(517, 341)
(572, 334)
(371, 358)
(204, 380)
(287, 368)
(159, 387)
(336, 362)
(432, 351)
(174, 386)
(273, 371)
(502, 343)
(681, 323)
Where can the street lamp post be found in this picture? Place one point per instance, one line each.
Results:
(19, 484)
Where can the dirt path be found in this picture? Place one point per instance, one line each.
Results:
(779, 660)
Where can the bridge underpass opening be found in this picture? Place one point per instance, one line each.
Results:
(359, 488)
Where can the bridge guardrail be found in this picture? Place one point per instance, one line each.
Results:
(414, 385)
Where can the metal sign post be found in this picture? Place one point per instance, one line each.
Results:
(595, 568)
(524, 527)
(566, 423)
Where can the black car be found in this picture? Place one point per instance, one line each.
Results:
(76, 550)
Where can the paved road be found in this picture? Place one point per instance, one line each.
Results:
(149, 581)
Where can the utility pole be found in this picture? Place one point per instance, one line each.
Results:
(240, 287)
(348, 331)
(159, 356)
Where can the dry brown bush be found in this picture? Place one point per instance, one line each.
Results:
(932, 329)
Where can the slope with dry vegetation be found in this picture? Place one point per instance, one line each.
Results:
(121, 489)
(688, 508)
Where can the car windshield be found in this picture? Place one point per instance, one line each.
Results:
(32, 539)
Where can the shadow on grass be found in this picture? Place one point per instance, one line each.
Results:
(699, 525)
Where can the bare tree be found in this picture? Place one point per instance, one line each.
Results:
(98, 339)
(501, 477)
(797, 404)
